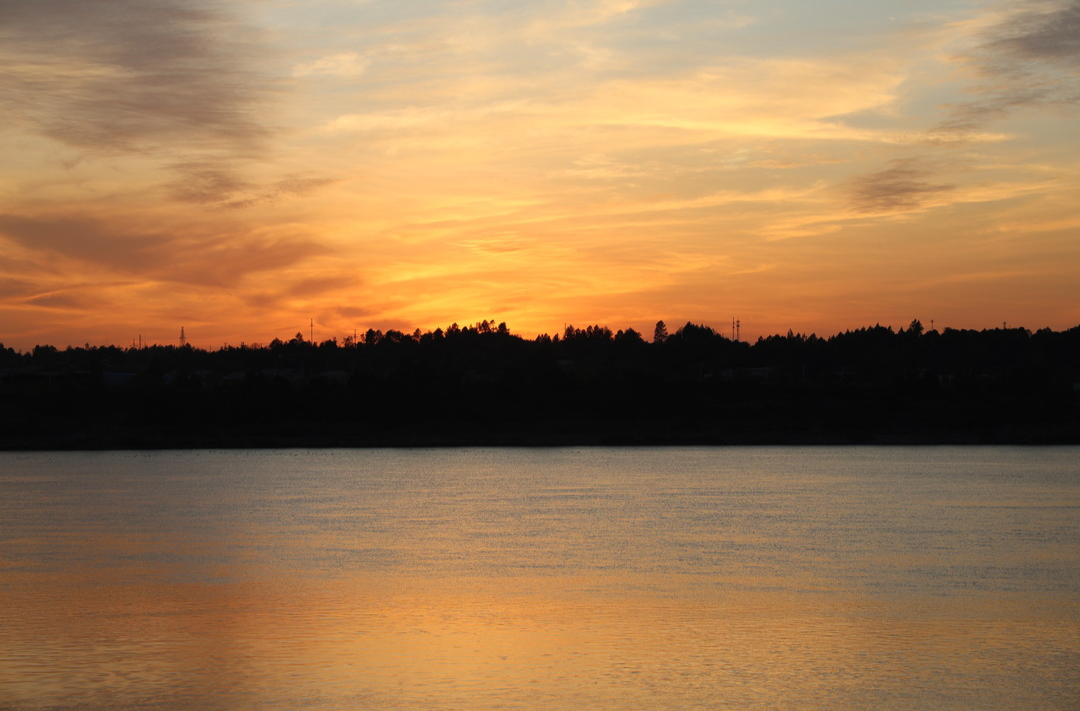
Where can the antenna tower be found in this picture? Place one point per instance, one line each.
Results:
(183, 337)
(311, 333)
(738, 327)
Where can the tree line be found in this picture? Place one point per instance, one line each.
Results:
(482, 384)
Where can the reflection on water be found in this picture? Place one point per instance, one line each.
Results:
(745, 578)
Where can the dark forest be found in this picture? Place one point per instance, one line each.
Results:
(483, 385)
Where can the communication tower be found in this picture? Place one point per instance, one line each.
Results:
(183, 337)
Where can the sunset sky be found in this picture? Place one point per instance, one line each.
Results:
(238, 167)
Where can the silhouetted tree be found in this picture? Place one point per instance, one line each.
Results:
(694, 385)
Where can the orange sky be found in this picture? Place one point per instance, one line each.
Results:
(238, 167)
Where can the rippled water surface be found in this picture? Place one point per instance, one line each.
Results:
(738, 578)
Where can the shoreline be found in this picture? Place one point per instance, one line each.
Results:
(305, 438)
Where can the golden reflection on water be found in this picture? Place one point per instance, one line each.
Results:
(520, 644)
(428, 607)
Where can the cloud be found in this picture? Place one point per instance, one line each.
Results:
(411, 117)
(741, 98)
(344, 64)
(13, 286)
(83, 239)
(205, 182)
(213, 183)
(903, 187)
(298, 186)
(290, 294)
(1024, 57)
(1050, 34)
(358, 312)
(597, 166)
(587, 13)
(118, 76)
(220, 259)
(1028, 57)
(65, 301)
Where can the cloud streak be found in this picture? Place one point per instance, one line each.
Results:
(214, 184)
(905, 186)
(1046, 32)
(223, 259)
(1028, 58)
(120, 76)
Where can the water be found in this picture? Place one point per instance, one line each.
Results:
(736, 578)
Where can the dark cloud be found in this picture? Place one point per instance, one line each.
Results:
(131, 75)
(11, 286)
(219, 259)
(85, 239)
(211, 183)
(206, 183)
(299, 186)
(150, 77)
(905, 186)
(1049, 35)
(1031, 59)
(17, 268)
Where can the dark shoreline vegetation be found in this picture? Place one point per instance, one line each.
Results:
(482, 385)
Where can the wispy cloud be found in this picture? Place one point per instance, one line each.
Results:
(1027, 57)
(1039, 31)
(342, 64)
(206, 182)
(132, 75)
(217, 184)
(68, 300)
(587, 13)
(220, 259)
(907, 185)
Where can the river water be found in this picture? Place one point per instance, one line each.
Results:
(624, 578)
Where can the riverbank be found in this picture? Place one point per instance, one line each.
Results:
(84, 436)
